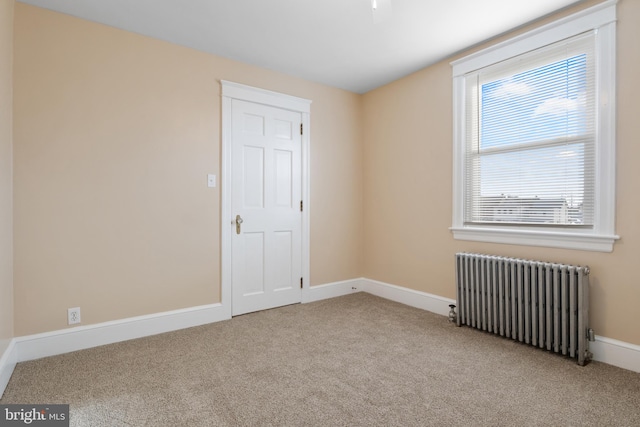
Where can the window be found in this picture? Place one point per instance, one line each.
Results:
(534, 137)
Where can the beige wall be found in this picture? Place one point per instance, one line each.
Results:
(6, 190)
(114, 136)
(408, 184)
(115, 132)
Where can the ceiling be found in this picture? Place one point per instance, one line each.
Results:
(335, 42)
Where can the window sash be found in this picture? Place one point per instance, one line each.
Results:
(568, 199)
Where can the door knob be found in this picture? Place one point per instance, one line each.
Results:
(239, 222)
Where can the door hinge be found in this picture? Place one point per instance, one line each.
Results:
(300, 128)
(300, 205)
(301, 283)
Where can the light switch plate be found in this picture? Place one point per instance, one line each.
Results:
(211, 180)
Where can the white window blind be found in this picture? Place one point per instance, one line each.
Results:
(530, 138)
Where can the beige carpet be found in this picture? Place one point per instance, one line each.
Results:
(356, 360)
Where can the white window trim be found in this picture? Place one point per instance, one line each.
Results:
(601, 17)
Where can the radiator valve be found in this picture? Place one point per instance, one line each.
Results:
(453, 317)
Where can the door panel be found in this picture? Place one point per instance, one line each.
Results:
(253, 263)
(283, 179)
(253, 164)
(283, 264)
(266, 193)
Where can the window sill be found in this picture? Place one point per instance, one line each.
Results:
(564, 240)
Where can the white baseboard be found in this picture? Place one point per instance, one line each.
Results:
(607, 350)
(331, 290)
(67, 340)
(616, 353)
(433, 303)
(8, 361)
(20, 349)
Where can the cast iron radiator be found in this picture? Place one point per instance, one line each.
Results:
(542, 304)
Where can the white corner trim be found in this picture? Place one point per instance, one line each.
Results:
(433, 303)
(616, 353)
(331, 290)
(8, 362)
(67, 340)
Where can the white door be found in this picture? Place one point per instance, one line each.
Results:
(266, 195)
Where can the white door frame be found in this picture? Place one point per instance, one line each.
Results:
(232, 91)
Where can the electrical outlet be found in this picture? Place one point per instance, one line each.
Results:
(73, 315)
